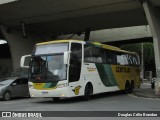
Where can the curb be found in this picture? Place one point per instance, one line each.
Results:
(146, 96)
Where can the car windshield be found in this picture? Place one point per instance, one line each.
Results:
(5, 81)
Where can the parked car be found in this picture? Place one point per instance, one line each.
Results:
(153, 83)
(13, 87)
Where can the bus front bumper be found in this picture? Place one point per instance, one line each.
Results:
(59, 92)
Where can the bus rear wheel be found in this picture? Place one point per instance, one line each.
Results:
(132, 86)
(127, 87)
(88, 91)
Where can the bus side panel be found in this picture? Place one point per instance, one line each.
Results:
(106, 75)
(124, 73)
(89, 74)
(101, 77)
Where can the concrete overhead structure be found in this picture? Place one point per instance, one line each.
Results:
(114, 35)
(25, 22)
(19, 45)
(72, 16)
(153, 17)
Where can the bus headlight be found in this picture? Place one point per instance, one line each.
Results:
(62, 95)
(62, 85)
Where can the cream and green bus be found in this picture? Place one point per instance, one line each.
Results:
(70, 68)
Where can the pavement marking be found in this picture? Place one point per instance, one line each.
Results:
(132, 95)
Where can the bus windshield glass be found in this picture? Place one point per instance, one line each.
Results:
(47, 66)
(51, 48)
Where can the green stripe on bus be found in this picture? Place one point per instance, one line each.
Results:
(47, 85)
(108, 71)
(50, 85)
(103, 75)
(106, 75)
(54, 84)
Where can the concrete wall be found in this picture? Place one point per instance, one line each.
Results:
(5, 67)
(19, 45)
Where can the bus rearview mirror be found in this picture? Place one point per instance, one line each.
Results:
(24, 62)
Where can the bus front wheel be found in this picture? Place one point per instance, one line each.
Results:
(88, 91)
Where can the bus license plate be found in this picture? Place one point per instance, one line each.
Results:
(44, 92)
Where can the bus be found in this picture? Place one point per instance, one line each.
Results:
(70, 68)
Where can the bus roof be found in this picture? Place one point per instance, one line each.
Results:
(109, 47)
(57, 41)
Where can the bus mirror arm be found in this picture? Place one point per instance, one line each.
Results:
(66, 57)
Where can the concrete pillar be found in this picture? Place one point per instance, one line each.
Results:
(19, 45)
(153, 18)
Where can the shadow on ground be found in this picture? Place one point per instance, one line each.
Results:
(80, 99)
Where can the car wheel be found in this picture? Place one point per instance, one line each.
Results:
(6, 96)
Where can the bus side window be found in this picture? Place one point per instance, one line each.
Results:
(125, 59)
(92, 54)
(87, 54)
(96, 55)
(120, 59)
(135, 60)
(108, 57)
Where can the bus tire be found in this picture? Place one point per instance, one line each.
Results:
(56, 99)
(88, 91)
(132, 86)
(127, 87)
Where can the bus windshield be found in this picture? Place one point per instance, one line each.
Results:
(47, 63)
(48, 68)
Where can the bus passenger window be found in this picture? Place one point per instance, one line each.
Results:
(92, 54)
(110, 57)
(87, 54)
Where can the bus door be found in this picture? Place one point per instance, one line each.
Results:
(75, 66)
